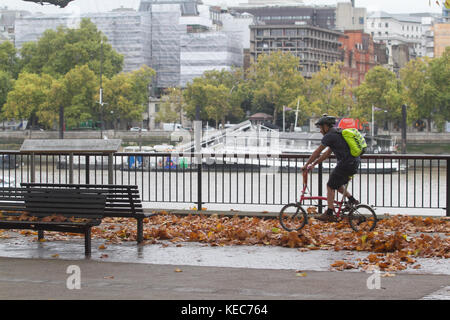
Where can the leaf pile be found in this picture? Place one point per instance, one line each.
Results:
(396, 242)
(31, 218)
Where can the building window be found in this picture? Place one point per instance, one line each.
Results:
(361, 20)
(291, 32)
(276, 32)
(386, 25)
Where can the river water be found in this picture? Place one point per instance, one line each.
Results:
(423, 188)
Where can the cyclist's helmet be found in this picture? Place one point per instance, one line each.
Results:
(326, 119)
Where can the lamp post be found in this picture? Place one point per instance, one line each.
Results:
(101, 89)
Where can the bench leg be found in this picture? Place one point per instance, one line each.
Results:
(40, 234)
(140, 230)
(87, 242)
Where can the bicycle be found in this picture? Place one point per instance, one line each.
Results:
(361, 217)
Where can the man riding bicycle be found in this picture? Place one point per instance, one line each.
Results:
(347, 165)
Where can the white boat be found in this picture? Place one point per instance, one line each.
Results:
(257, 141)
(7, 182)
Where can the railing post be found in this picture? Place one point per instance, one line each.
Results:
(32, 168)
(199, 183)
(448, 187)
(87, 171)
(320, 186)
(71, 168)
(110, 168)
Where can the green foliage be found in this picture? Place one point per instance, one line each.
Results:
(218, 94)
(28, 97)
(9, 62)
(380, 89)
(421, 93)
(172, 106)
(329, 91)
(6, 84)
(126, 95)
(440, 75)
(59, 51)
(276, 81)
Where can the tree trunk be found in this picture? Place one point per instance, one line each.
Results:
(274, 121)
(429, 124)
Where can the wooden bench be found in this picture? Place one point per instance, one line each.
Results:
(121, 201)
(63, 210)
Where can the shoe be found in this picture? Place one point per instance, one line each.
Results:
(327, 217)
(353, 202)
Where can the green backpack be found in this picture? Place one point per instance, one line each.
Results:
(355, 141)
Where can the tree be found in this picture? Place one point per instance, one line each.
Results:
(126, 95)
(216, 90)
(9, 62)
(380, 89)
(28, 97)
(140, 82)
(219, 104)
(60, 50)
(195, 97)
(75, 92)
(421, 92)
(440, 73)
(276, 81)
(6, 84)
(172, 106)
(329, 91)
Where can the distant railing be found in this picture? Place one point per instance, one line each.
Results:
(389, 181)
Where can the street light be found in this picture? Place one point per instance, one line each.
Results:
(101, 89)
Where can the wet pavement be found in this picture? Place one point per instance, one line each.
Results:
(197, 254)
(198, 271)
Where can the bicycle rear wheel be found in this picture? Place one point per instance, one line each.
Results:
(293, 217)
(362, 218)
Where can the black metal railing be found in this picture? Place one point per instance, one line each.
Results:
(391, 181)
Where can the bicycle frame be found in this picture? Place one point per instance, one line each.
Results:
(339, 204)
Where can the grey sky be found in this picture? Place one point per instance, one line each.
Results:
(391, 6)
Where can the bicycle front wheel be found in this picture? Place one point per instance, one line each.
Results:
(293, 217)
(362, 218)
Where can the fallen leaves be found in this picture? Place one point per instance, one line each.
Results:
(395, 245)
(25, 216)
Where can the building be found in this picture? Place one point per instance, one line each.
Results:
(322, 17)
(312, 45)
(187, 38)
(350, 18)
(179, 39)
(441, 38)
(7, 23)
(381, 53)
(397, 31)
(127, 31)
(358, 55)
